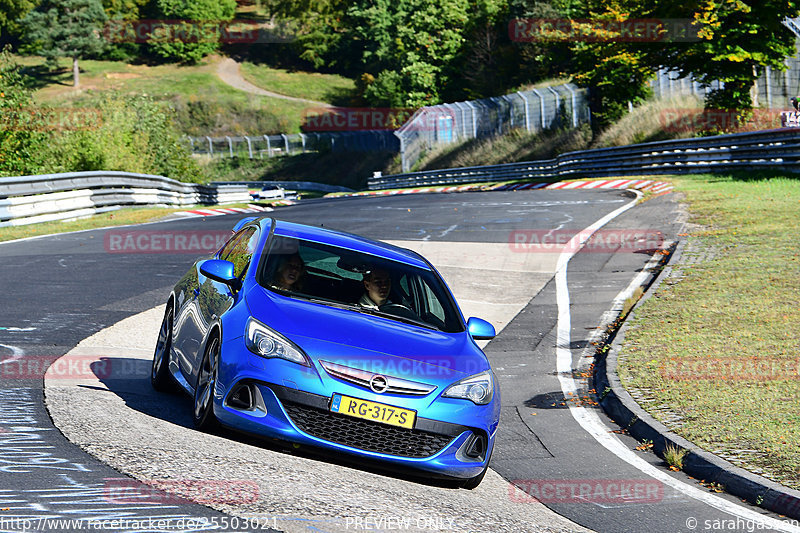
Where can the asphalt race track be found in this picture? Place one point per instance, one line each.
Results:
(61, 290)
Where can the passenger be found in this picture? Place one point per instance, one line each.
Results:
(289, 273)
(377, 284)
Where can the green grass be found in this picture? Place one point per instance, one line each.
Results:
(651, 121)
(516, 145)
(120, 217)
(329, 88)
(204, 104)
(720, 348)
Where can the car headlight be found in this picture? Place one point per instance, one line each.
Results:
(478, 388)
(266, 342)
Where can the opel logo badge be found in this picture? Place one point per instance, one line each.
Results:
(378, 384)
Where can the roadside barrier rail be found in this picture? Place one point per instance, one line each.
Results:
(289, 185)
(34, 199)
(774, 149)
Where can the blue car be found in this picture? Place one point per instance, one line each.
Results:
(332, 340)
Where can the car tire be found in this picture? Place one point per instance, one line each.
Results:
(160, 377)
(203, 413)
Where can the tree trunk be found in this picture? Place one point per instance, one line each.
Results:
(75, 73)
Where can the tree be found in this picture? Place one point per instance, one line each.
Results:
(486, 61)
(615, 71)
(321, 28)
(736, 39)
(191, 40)
(11, 11)
(67, 28)
(405, 46)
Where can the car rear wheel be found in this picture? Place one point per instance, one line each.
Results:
(160, 377)
(204, 418)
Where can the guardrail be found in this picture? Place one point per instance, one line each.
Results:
(33, 199)
(739, 151)
(291, 185)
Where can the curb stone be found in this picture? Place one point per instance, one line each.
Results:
(700, 464)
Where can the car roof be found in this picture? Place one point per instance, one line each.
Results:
(348, 241)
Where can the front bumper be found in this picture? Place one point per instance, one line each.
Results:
(285, 413)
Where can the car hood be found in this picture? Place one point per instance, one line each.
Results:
(367, 342)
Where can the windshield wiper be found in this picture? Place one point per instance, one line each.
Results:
(361, 309)
(405, 319)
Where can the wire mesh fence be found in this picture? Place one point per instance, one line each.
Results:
(773, 89)
(261, 146)
(534, 110)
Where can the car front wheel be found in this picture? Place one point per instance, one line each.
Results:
(160, 376)
(204, 418)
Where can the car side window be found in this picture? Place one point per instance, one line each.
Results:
(225, 251)
(241, 250)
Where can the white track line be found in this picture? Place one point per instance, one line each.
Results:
(590, 421)
(16, 353)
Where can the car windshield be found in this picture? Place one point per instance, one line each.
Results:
(336, 276)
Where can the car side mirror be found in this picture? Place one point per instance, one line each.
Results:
(480, 329)
(221, 271)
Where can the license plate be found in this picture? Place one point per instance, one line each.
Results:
(377, 412)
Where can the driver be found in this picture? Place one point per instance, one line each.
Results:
(377, 284)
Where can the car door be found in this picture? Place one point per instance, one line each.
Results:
(215, 298)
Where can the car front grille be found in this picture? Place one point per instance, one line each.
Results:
(365, 435)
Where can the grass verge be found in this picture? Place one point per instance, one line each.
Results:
(329, 88)
(204, 105)
(120, 217)
(717, 345)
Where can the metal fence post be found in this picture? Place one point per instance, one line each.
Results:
(769, 89)
(474, 119)
(527, 110)
(303, 139)
(574, 97)
(269, 146)
(249, 147)
(230, 146)
(541, 108)
(285, 142)
(210, 146)
(507, 98)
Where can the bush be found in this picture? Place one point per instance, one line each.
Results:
(19, 136)
(116, 132)
(190, 41)
(135, 134)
